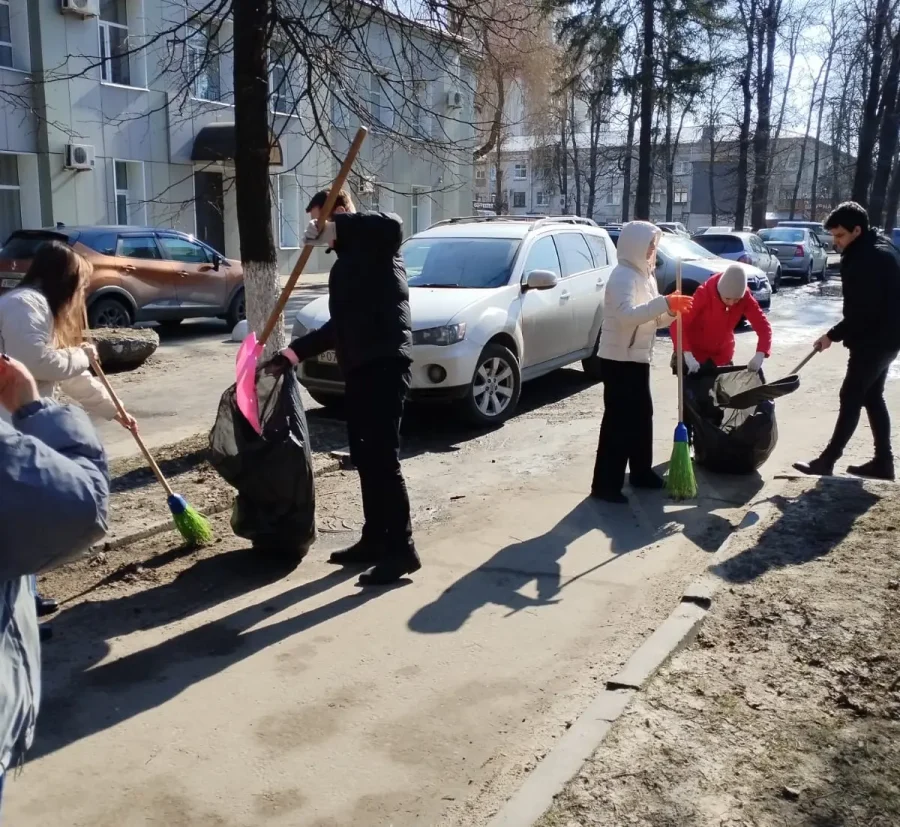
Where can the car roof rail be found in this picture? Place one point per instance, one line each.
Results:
(526, 219)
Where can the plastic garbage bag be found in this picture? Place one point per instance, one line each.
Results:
(272, 471)
(731, 416)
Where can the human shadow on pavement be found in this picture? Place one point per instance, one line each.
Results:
(498, 580)
(809, 527)
(81, 701)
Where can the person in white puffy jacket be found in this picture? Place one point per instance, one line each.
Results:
(633, 312)
(41, 326)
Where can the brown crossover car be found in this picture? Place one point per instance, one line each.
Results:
(141, 274)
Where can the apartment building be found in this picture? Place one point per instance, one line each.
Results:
(108, 115)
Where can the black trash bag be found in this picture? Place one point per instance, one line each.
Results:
(275, 507)
(730, 440)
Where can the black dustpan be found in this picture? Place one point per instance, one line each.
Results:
(767, 392)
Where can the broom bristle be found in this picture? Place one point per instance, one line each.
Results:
(680, 481)
(191, 525)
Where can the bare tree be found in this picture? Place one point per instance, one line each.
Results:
(888, 135)
(647, 106)
(747, 11)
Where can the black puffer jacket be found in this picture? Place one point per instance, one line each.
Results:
(368, 297)
(870, 270)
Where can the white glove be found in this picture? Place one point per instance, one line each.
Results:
(326, 238)
(692, 364)
(756, 362)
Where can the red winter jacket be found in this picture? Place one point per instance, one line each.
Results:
(709, 326)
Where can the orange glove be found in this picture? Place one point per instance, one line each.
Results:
(678, 302)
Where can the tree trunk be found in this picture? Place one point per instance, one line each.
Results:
(576, 161)
(743, 169)
(562, 165)
(497, 120)
(868, 132)
(817, 154)
(762, 137)
(892, 205)
(887, 140)
(793, 46)
(799, 178)
(629, 158)
(670, 160)
(642, 198)
(253, 144)
(713, 208)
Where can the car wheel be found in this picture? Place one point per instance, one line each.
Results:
(110, 312)
(237, 310)
(495, 388)
(806, 278)
(776, 283)
(593, 366)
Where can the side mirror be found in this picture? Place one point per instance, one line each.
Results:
(541, 280)
(217, 262)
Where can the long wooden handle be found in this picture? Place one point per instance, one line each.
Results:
(120, 408)
(679, 358)
(804, 363)
(324, 215)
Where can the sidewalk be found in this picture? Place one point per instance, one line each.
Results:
(785, 710)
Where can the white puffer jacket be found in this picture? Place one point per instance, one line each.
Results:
(633, 309)
(26, 334)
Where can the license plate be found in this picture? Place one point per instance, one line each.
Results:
(9, 282)
(329, 357)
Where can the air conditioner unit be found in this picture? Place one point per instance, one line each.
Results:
(79, 156)
(366, 185)
(454, 99)
(82, 8)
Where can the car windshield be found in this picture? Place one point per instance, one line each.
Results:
(721, 245)
(459, 262)
(25, 245)
(681, 248)
(785, 234)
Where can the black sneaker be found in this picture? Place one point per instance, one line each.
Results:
(874, 469)
(819, 467)
(391, 569)
(359, 554)
(615, 497)
(647, 479)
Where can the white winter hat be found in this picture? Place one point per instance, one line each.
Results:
(733, 283)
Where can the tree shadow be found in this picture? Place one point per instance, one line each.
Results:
(799, 535)
(82, 699)
(649, 519)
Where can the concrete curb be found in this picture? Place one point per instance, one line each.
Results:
(335, 462)
(586, 735)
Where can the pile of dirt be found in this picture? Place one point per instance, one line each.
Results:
(786, 710)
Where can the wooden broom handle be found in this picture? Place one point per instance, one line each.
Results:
(804, 362)
(680, 355)
(95, 364)
(324, 215)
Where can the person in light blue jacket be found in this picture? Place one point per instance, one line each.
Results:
(54, 493)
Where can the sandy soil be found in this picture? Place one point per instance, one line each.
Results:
(786, 710)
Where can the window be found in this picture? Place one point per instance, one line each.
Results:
(114, 66)
(518, 199)
(598, 249)
(421, 109)
(520, 172)
(493, 173)
(480, 174)
(183, 250)
(683, 168)
(120, 169)
(540, 199)
(281, 72)
(6, 50)
(138, 246)
(543, 256)
(379, 105)
(613, 196)
(289, 215)
(786, 195)
(575, 254)
(10, 196)
(420, 210)
(656, 197)
(203, 63)
(680, 196)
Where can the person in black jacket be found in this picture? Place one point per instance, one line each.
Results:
(870, 270)
(370, 332)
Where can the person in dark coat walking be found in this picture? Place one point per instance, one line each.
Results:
(870, 271)
(371, 334)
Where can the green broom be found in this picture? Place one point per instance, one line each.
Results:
(191, 525)
(680, 480)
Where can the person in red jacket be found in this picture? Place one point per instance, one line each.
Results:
(718, 306)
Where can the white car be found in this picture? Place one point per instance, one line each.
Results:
(495, 302)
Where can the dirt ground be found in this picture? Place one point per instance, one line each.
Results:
(786, 710)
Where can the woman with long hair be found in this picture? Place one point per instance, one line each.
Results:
(42, 326)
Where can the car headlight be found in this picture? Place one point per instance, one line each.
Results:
(443, 336)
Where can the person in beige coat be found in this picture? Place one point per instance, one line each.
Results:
(41, 326)
(633, 312)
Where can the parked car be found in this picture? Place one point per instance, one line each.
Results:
(799, 250)
(747, 248)
(141, 274)
(614, 233)
(722, 229)
(698, 265)
(494, 303)
(816, 227)
(674, 227)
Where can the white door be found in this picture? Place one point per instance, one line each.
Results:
(584, 263)
(547, 317)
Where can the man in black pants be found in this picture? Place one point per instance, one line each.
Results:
(870, 270)
(370, 332)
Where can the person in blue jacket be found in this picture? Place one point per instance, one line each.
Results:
(51, 462)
